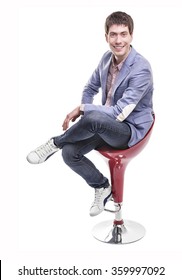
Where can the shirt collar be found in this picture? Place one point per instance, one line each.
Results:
(114, 64)
(121, 63)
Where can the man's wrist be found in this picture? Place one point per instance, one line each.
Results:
(82, 109)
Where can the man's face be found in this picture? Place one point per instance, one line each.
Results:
(119, 40)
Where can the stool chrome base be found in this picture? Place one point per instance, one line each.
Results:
(126, 233)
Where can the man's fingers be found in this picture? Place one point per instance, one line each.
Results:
(66, 123)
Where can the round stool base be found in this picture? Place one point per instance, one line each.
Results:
(129, 232)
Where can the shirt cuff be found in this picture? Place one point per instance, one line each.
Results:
(82, 109)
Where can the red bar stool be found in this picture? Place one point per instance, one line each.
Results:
(120, 231)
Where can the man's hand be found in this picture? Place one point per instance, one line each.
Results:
(72, 116)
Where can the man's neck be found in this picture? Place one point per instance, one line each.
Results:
(117, 60)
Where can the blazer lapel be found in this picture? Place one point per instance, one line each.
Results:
(125, 69)
(104, 75)
(121, 76)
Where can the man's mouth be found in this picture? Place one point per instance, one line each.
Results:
(118, 47)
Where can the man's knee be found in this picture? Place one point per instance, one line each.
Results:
(93, 117)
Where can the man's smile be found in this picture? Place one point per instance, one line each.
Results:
(118, 46)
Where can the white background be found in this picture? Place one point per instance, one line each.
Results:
(49, 49)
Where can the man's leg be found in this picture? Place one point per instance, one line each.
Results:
(91, 131)
(74, 156)
(97, 131)
(114, 133)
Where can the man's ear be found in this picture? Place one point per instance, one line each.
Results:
(106, 37)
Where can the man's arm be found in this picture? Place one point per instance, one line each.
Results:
(89, 91)
(72, 116)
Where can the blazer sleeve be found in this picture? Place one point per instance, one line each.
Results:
(92, 87)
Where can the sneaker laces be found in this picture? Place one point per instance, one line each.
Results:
(45, 149)
(97, 199)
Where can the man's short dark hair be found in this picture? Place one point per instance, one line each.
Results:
(119, 18)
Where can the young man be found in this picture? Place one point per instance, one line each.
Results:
(123, 119)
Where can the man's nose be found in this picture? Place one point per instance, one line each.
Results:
(118, 39)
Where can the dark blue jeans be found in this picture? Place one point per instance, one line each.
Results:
(92, 131)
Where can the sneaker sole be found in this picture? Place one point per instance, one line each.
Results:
(50, 156)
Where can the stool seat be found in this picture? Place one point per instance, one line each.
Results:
(120, 231)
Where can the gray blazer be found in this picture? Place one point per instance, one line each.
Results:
(132, 95)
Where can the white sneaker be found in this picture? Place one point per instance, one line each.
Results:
(42, 153)
(102, 195)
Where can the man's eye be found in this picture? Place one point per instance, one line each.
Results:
(112, 35)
